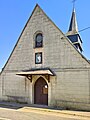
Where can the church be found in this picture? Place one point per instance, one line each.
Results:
(46, 66)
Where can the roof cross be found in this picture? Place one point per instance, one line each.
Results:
(73, 1)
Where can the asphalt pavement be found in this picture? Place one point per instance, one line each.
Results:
(16, 111)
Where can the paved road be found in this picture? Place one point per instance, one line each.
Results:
(21, 114)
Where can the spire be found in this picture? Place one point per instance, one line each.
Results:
(73, 33)
(73, 23)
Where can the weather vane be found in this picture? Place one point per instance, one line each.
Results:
(73, 1)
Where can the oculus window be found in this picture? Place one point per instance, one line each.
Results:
(39, 40)
(38, 58)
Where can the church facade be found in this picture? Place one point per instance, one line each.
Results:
(47, 67)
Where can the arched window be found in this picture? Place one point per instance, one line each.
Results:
(39, 40)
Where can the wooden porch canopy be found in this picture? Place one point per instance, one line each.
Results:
(45, 72)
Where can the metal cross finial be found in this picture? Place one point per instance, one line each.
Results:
(73, 1)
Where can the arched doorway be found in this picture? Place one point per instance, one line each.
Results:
(41, 92)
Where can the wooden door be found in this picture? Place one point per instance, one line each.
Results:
(41, 92)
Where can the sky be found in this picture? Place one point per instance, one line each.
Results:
(15, 13)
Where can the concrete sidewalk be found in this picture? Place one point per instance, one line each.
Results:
(28, 108)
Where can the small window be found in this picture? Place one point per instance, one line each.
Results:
(38, 58)
(39, 40)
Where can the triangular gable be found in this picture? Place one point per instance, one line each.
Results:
(63, 36)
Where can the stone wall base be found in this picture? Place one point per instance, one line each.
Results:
(73, 105)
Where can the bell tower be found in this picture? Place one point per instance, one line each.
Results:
(73, 33)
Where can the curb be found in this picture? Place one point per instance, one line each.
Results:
(25, 107)
(55, 111)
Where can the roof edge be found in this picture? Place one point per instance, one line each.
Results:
(19, 38)
(77, 50)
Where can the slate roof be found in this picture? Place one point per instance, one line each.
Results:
(73, 23)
